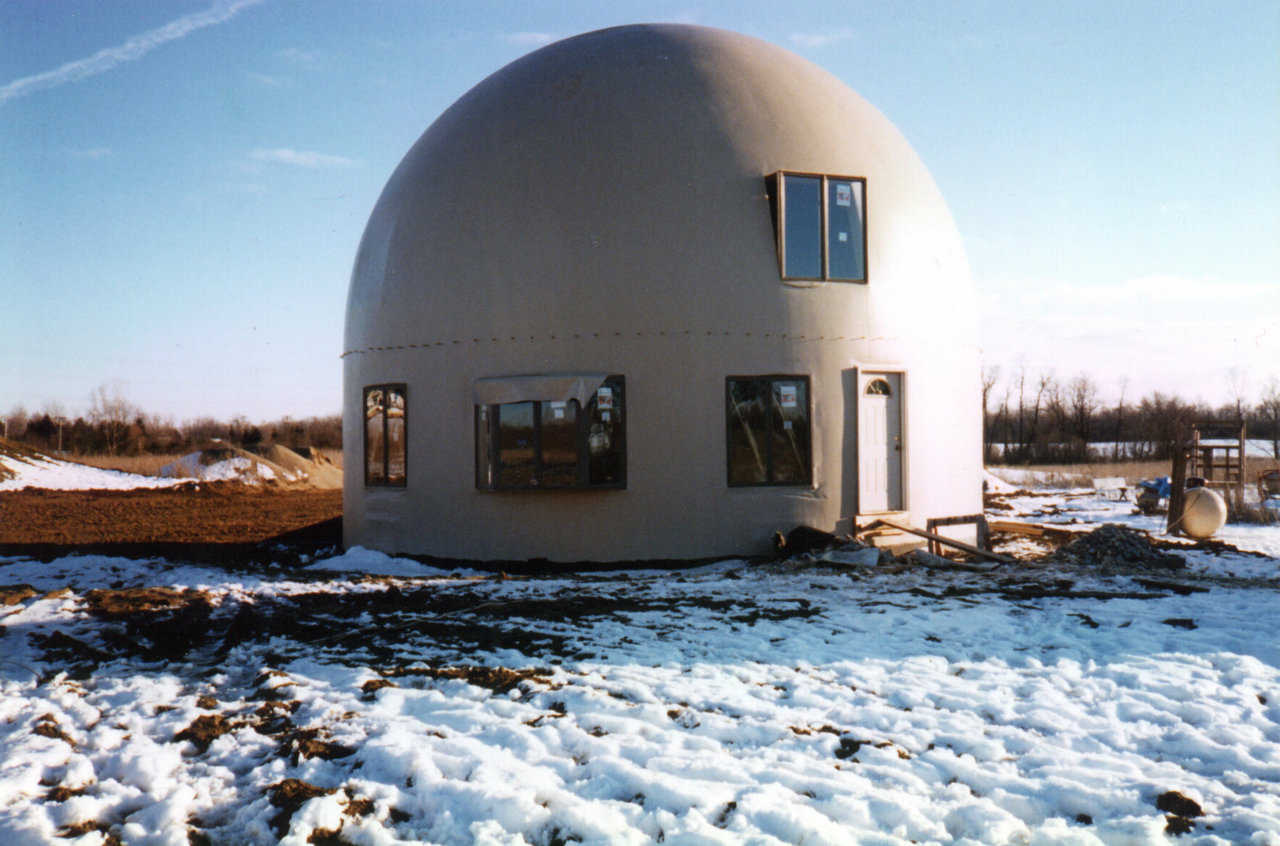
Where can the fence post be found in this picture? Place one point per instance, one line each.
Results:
(1177, 492)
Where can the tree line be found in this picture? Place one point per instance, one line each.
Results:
(1033, 418)
(1030, 418)
(115, 426)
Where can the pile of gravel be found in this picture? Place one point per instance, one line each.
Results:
(1113, 545)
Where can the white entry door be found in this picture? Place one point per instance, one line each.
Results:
(880, 442)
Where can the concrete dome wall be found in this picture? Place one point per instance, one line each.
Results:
(600, 204)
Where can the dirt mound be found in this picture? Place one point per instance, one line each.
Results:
(222, 462)
(270, 465)
(1113, 545)
(314, 468)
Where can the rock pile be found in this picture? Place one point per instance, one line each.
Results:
(1113, 545)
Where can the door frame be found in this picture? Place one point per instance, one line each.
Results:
(868, 371)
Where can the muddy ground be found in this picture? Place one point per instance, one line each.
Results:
(210, 513)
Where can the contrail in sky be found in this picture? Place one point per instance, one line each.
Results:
(131, 50)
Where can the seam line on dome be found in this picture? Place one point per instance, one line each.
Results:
(663, 333)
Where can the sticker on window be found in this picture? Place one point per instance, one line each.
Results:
(844, 194)
(604, 398)
(787, 395)
(843, 236)
(557, 410)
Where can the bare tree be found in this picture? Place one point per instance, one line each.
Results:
(15, 422)
(112, 414)
(1022, 409)
(1269, 411)
(1117, 436)
(990, 375)
(1045, 388)
(1083, 399)
(1238, 381)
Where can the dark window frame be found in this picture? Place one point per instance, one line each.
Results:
(386, 481)
(770, 379)
(491, 416)
(776, 187)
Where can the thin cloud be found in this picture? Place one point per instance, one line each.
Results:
(265, 79)
(528, 39)
(131, 50)
(305, 58)
(825, 38)
(301, 158)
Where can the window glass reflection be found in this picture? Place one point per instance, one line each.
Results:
(385, 442)
(845, 255)
(559, 444)
(395, 437)
(802, 237)
(769, 431)
(606, 454)
(515, 444)
(747, 435)
(789, 432)
(554, 444)
(374, 464)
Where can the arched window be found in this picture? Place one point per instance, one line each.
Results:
(879, 388)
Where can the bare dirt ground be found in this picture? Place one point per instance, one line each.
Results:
(217, 513)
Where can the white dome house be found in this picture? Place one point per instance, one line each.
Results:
(655, 292)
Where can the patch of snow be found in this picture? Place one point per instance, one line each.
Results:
(358, 560)
(994, 484)
(56, 474)
(238, 468)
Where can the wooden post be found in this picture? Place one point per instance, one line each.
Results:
(1177, 493)
(1241, 463)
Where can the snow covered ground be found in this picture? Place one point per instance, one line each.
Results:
(1086, 508)
(781, 703)
(55, 474)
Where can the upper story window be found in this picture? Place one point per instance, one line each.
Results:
(768, 430)
(551, 431)
(821, 223)
(384, 435)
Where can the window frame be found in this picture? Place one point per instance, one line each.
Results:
(770, 379)
(491, 438)
(403, 389)
(776, 187)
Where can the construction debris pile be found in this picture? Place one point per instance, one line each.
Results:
(1113, 545)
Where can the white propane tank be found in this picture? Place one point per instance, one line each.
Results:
(1204, 513)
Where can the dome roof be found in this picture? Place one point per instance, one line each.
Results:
(618, 178)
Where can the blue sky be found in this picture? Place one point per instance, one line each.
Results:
(184, 184)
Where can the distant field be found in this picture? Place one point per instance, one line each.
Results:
(1132, 471)
(149, 465)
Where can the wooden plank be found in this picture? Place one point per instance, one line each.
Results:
(1178, 493)
(1036, 530)
(1013, 528)
(967, 547)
